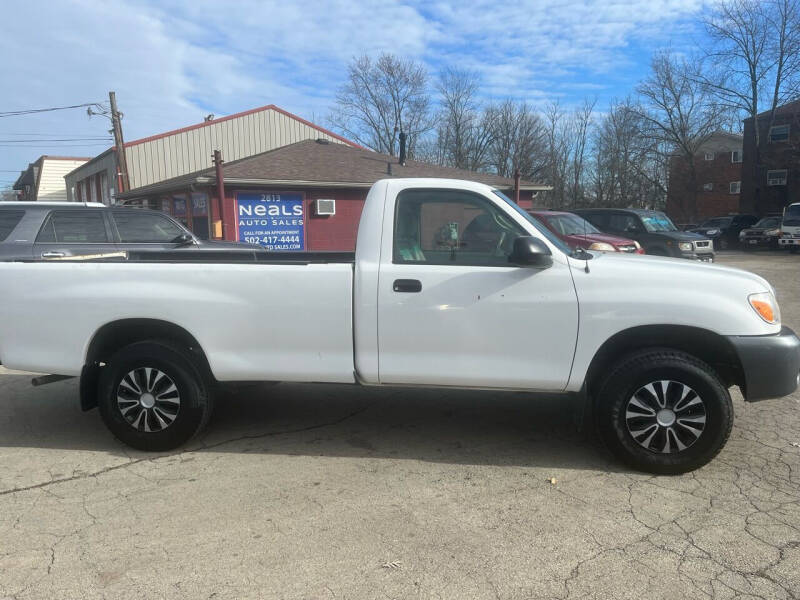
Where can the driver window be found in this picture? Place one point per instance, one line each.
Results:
(444, 227)
(624, 223)
(137, 228)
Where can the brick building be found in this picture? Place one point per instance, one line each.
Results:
(772, 182)
(716, 187)
(316, 188)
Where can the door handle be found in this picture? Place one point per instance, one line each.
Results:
(407, 285)
(53, 254)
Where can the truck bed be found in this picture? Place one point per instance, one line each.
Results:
(258, 316)
(227, 256)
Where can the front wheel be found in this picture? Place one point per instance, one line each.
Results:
(664, 411)
(152, 396)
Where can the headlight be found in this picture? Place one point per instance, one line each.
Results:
(773, 232)
(712, 232)
(766, 306)
(742, 235)
(685, 246)
(602, 247)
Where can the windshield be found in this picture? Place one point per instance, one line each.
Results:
(658, 222)
(717, 222)
(768, 222)
(539, 227)
(570, 224)
(792, 215)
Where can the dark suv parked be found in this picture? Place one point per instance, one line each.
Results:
(724, 231)
(30, 230)
(652, 229)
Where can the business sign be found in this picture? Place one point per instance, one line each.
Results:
(276, 221)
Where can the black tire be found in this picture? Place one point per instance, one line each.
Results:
(724, 244)
(618, 416)
(143, 428)
(793, 249)
(657, 251)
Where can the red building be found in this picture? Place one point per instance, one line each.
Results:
(315, 187)
(715, 188)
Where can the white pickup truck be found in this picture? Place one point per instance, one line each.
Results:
(790, 228)
(451, 285)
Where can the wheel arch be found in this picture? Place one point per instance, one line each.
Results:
(710, 347)
(115, 335)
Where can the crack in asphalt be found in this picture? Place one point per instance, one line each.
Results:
(202, 448)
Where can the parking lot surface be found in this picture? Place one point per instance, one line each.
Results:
(311, 491)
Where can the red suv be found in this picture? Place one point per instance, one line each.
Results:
(578, 232)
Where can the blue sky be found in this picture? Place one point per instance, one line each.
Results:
(174, 61)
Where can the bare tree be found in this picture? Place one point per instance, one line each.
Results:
(578, 137)
(678, 114)
(630, 170)
(382, 98)
(464, 133)
(518, 140)
(7, 194)
(755, 60)
(557, 152)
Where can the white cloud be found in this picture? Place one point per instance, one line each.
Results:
(173, 62)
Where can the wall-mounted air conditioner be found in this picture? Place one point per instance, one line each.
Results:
(324, 207)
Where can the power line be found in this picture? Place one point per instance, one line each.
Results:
(33, 111)
(77, 139)
(55, 145)
(52, 133)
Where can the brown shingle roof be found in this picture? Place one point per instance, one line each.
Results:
(313, 162)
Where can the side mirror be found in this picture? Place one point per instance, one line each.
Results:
(184, 239)
(532, 252)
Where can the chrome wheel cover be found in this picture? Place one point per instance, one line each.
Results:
(148, 399)
(665, 416)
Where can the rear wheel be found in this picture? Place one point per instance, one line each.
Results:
(664, 411)
(152, 396)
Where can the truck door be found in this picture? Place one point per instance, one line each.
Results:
(452, 311)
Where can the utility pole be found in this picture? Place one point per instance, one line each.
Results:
(215, 226)
(122, 164)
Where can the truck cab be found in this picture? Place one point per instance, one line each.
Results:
(790, 228)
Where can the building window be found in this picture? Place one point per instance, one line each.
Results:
(709, 156)
(735, 187)
(707, 187)
(736, 156)
(779, 133)
(777, 177)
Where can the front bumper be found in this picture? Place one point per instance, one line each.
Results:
(701, 250)
(789, 241)
(701, 256)
(770, 363)
(758, 240)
